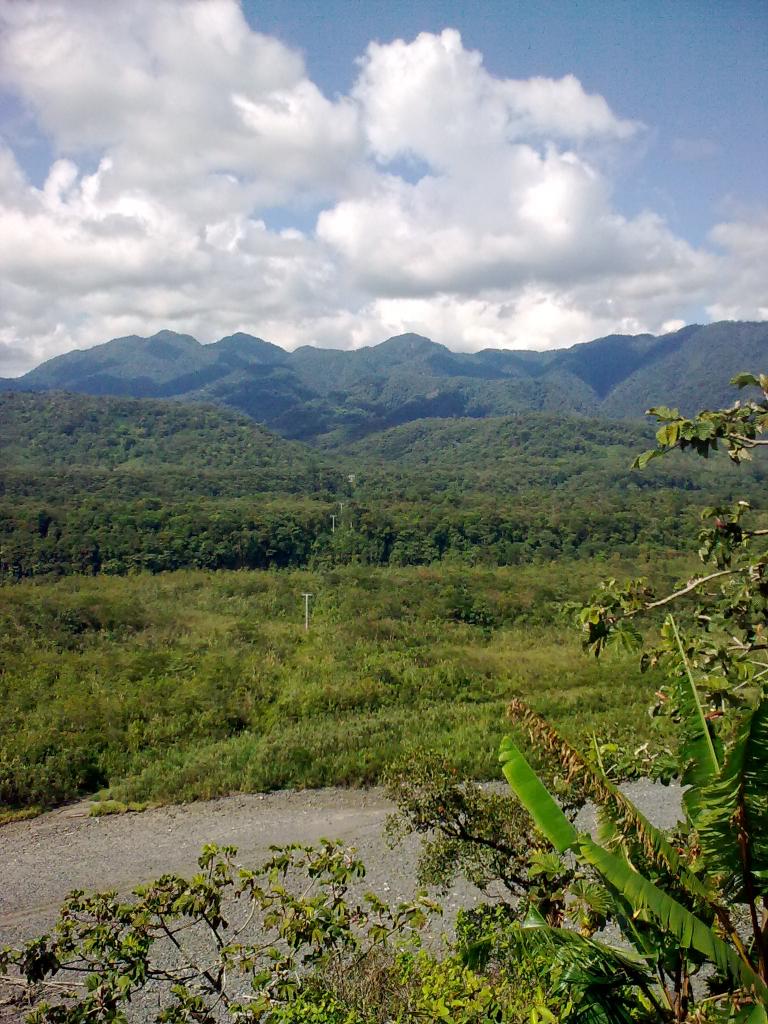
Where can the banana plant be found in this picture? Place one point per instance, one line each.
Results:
(659, 900)
(702, 899)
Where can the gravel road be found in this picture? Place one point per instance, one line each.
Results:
(43, 859)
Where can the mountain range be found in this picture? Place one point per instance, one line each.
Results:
(312, 392)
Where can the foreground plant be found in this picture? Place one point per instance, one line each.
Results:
(468, 830)
(231, 940)
(286, 943)
(697, 899)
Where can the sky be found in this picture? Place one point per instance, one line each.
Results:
(488, 174)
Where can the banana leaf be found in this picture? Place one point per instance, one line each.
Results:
(590, 974)
(620, 821)
(642, 895)
(752, 1015)
(733, 827)
(701, 764)
(690, 931)
(536, 798)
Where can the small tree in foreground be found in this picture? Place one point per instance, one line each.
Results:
(290, 942)
(695, 902)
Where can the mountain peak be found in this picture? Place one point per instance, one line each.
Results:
(407, 345)
(169, 345)
(168, 335)
(242, 344)
(311, 391)
(409, 340)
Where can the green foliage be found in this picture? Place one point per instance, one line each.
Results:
(290, 940)
(115, 486)
(645, 898)
(448, 991)
(208, 683)
(106, 807)
(588, 981)
(315, 1009)
(128, 436)
(732, 818)
(192, 685)
(677, 907)
(468, 830)
(738, 428)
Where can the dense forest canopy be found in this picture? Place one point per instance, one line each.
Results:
(115, 485)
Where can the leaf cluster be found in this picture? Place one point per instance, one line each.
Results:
(737, 428)
(238, 940)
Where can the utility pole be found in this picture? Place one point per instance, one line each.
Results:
(341, 508)
(333, 524)
(306, 611)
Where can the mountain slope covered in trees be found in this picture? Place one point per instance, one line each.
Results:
(313, 392)
(100, 484)
(130, 446)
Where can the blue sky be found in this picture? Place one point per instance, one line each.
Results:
(695, 72)
(489, 174)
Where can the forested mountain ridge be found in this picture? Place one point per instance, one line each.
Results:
(102, 484)
(312, 392)
(146, 448)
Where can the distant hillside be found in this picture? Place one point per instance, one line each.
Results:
(537, 454)
(93, 484)
(313, 392)
(145, 447)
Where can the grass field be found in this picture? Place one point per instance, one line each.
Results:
(189, 685)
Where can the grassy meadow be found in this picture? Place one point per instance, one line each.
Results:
(189, 685)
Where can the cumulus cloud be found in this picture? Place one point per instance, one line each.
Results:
(433, 98)
(178, 93)
(435, 197)
(743, 294)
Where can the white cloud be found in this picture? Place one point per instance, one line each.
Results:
(178, 93)
(180, 134)
(434, 99)
(743, 294)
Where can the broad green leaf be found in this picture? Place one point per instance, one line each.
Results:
(690, 931)
(752, 1015)
(668, 435)
(701, 764)
(662, 412)
(642, 460)
(705, 429)
(535, 797)
(733, 826)
(640, 893)
(621, 823)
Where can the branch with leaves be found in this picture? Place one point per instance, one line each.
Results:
(172, 938)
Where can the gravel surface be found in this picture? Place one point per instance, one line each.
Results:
(43, 859)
